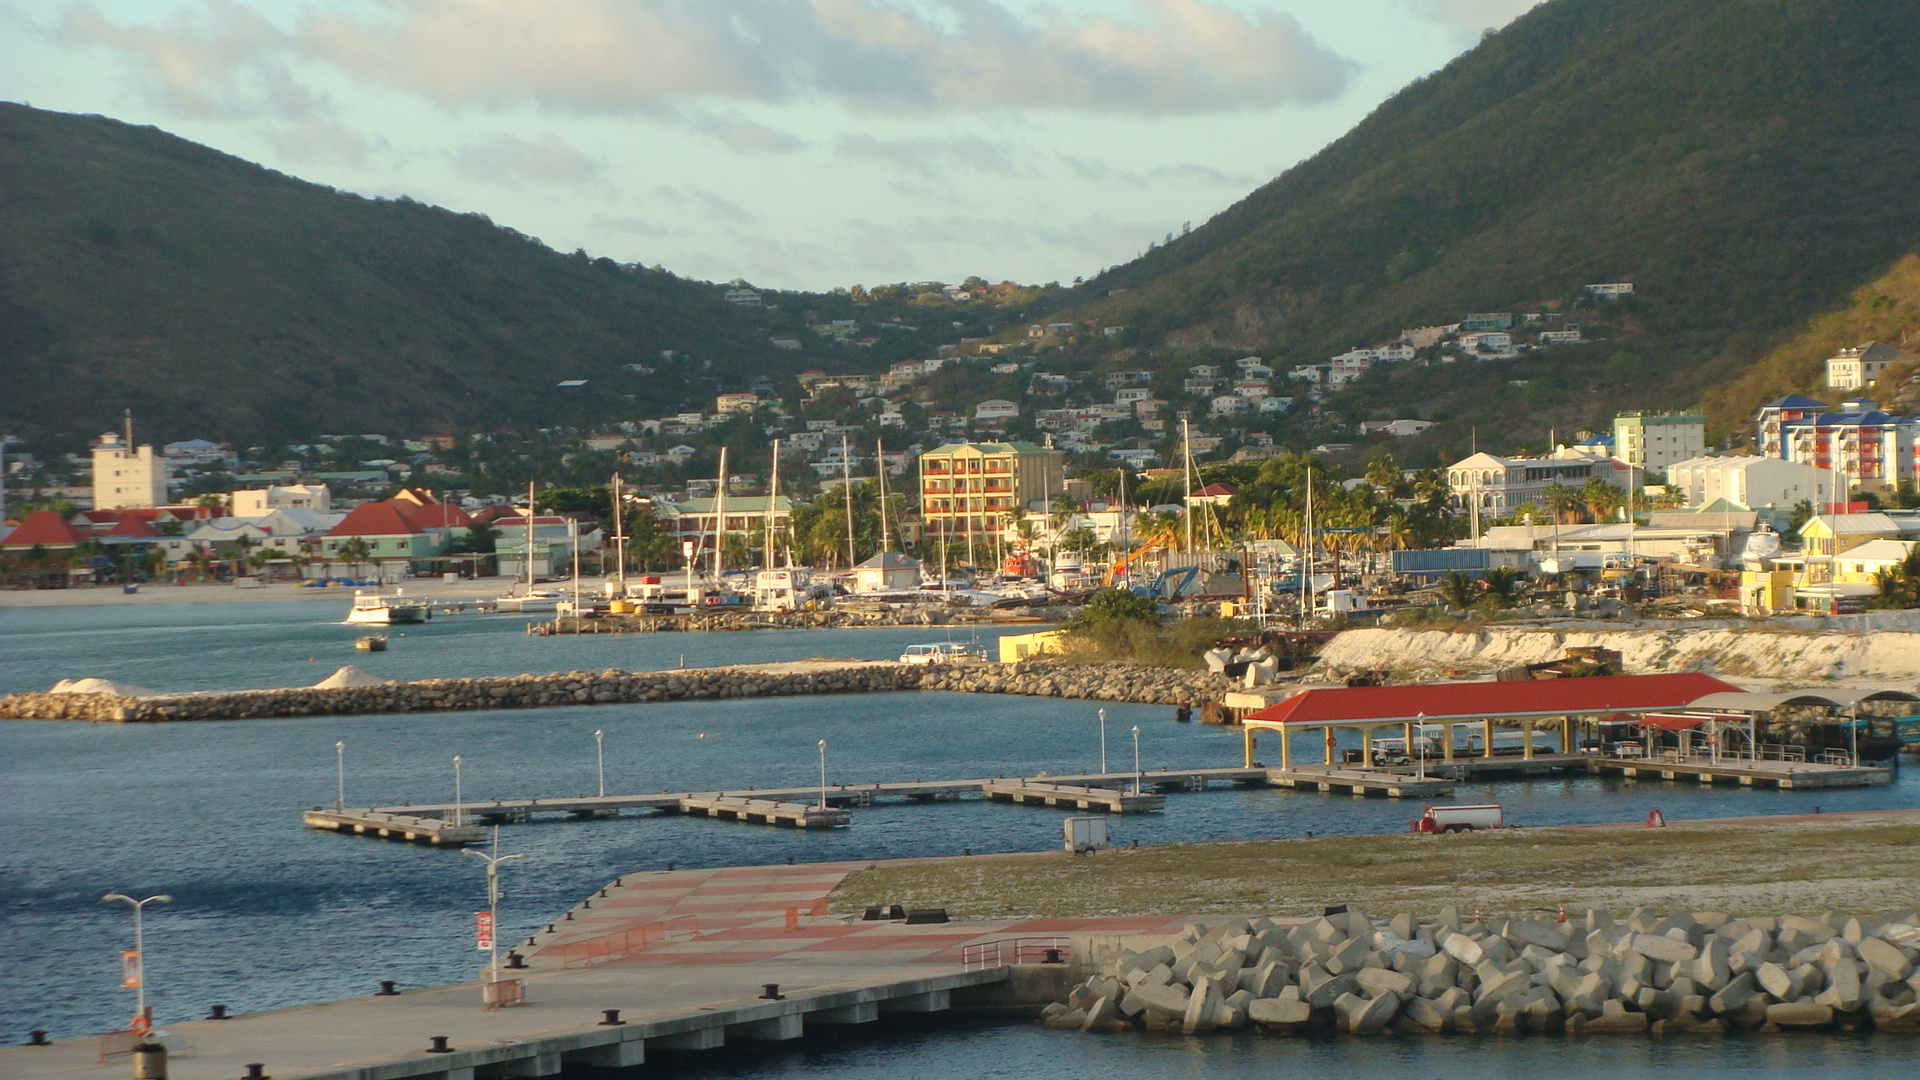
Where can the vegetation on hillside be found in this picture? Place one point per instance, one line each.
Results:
(1743, 162)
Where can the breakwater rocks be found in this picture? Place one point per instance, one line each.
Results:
(1698, 972)
(714, 621)
(615, 687)
(1098, 682)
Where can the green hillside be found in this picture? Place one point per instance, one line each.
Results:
(1746, 163)
(218, 298)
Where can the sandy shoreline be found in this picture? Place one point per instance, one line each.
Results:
(100, 596)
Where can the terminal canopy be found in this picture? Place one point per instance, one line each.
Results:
(1381, 706)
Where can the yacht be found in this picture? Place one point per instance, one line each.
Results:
(944, 652)
(375, 609)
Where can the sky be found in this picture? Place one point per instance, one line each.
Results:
(792, 143)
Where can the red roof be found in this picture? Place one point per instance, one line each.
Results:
(1442, 702)
(46, 528)
(433, 515)
(1217, 491)
(375, 519)
(133, 525)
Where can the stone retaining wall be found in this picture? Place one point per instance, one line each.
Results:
(1144, 685)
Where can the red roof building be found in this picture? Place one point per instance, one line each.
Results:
(373, 519)
(131, 527)
(43, 528)
(1441, 703)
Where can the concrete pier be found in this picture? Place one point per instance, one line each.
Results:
(766, 811)
(1360, 782)
(1785, 775)
(1112, 800)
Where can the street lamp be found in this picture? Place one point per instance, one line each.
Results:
(1137, 785)
(600, 754)
(136, 976)
(340, 772)
(493, 897)
(1103, 742)
(1420, 740)
(459, 812)
(823, 774)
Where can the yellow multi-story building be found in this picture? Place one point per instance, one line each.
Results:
(974, 489)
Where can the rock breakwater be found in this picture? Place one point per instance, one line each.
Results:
(1698, 972)
(1160, 686)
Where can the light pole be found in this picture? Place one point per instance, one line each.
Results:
(823, 774)
(600, 756)
(459, 812)
(1420, 740)
(1103, 742)
(340, 774)
(1137, 785)
(493, 897)
(137, 976)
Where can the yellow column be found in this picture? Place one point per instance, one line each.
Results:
(1366, 748)
(1566, 734)
(1410, 747)
(1446, 750)
(1247, 735)
(1486, 734)
(1286, 749)
(1526, 740)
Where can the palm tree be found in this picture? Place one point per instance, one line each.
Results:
(1458, 591)
(1562, 501)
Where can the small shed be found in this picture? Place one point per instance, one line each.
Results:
(889, 571)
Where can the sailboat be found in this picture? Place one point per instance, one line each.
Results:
(526, 597)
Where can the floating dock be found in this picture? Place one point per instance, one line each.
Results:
(1112, 800)
(1785, 775)
(766, 811)
(1361, 782)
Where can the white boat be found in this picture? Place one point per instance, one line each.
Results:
(374, 609)
(943, 652)
(537, 600)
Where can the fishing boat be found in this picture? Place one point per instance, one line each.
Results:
(378, 610)
(372, 643)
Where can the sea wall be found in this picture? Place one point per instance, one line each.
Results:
(1693, 972)
(1119, 682)
(1757, 652)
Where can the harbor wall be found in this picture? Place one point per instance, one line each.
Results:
(1119, 682)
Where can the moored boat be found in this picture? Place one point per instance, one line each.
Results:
(375, 609)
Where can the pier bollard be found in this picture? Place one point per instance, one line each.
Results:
(387, 989)
(515, 960)
(612, 1018)
(438, 1045)
(218, 1012)
(38, 1037)
(149, 1061)
(1053, 957)
(771, 992)
(256, 1070)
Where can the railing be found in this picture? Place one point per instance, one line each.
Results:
(1782, 752)
(1011, 951)
(598, 950)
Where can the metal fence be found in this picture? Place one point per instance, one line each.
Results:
(1010, 951)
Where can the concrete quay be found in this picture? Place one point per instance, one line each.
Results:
(1360, 782)
(1112, 800)
(703, 990)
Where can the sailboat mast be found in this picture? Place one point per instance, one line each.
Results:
(1306, 581)
(773, 497)
(530, 512)
(880, 470)
(846, 486)
(1186, 454)
(619, 538)
(720, 518)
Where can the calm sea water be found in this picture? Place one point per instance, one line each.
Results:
(268, 913)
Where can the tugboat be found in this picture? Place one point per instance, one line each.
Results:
(372, 608)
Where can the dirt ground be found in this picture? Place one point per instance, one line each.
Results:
(1851, 862)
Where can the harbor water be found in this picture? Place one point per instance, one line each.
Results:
(267, 913)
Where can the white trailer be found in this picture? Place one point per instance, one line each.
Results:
(1442, 819)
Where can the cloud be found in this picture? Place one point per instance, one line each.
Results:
(632, 226)
(931, 157)
(739, 133)
(623, 56)
(506, 157)
(715, 206)
(1474, 15)
(222, 60)
(1097, 171)
(318, 140)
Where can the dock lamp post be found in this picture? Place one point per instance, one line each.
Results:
(823, 774)
(1138, 784)
(459, 811)
(600, 756)
(493, 899)
(340, 776)
(1103, 742)
(136, 972)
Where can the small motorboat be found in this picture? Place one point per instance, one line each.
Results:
(388, 610)
(372, 643)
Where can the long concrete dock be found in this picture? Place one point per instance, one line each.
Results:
(1360, 782)
(1112, 800)
(430, 822)
(1785, 775)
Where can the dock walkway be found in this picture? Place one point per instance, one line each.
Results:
(1785, 775)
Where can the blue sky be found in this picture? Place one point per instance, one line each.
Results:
(795, 143)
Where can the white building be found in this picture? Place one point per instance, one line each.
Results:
(1752, 482)
(1228, 405)
(259, 502)
(1399, 429)
(1487, 344)
(1654, 441)
(125, 477)
(1612, 290)
(736, 403)
(1853, 369)
(995, 409)
(1502, 484)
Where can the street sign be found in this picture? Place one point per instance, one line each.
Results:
(483, 930)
